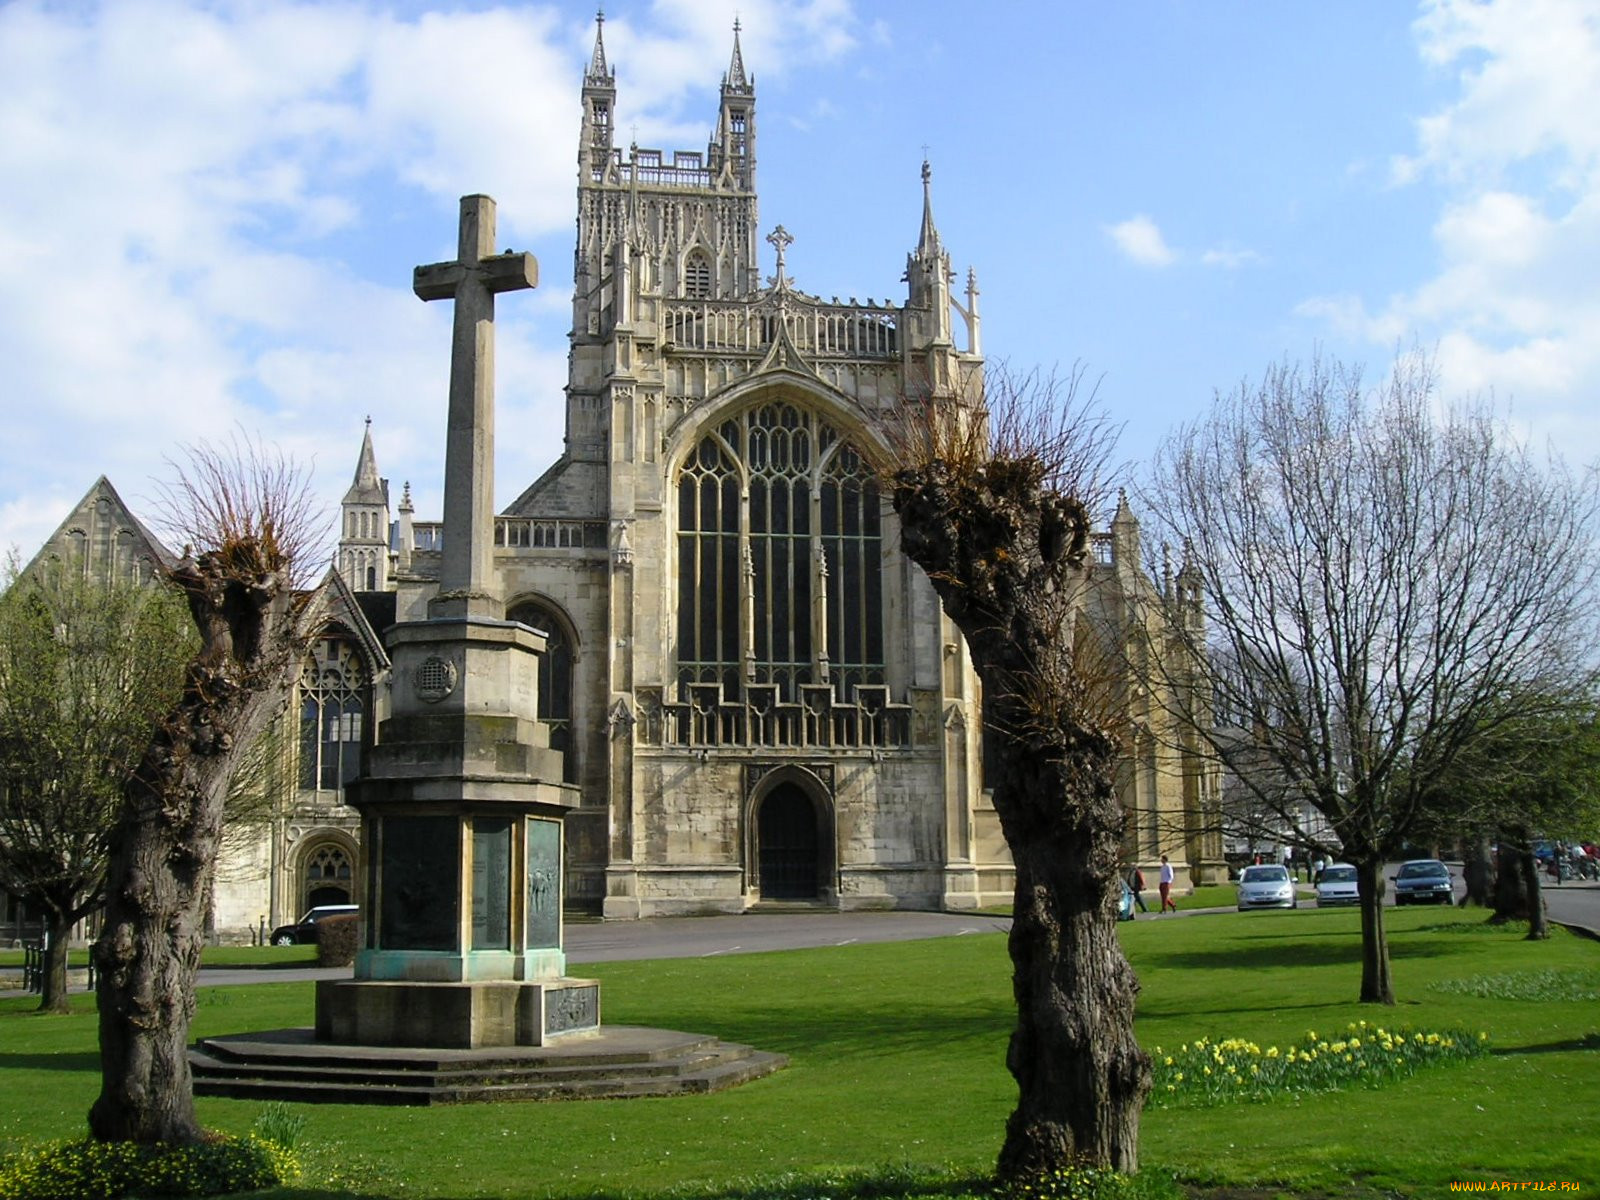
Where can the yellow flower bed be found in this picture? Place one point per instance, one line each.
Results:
(89, 1170)
(1214, 1072)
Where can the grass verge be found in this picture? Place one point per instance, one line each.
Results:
(898, 1073)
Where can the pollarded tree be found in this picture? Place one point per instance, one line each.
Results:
(992, 505)
(1378, 573)
(87, 669)
(245, 517)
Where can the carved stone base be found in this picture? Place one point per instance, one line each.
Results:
(361, 1012)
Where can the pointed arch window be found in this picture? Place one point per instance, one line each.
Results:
(697, 276)
(555, 681)
(334, 686)
(780, 557)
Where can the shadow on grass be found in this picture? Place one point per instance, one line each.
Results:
(1251, 957)
(1589, 1041)
(802, 1033)
(82, 1061)
(887, 1183)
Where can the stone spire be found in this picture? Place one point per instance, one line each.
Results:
(367, 487)
(596, 140)
(598, 75)
(735, 81)
(733, 153)
(928, 276)
(364, 524)
(928, 244)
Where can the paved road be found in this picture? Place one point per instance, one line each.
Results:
(697, 937)
(751, 933)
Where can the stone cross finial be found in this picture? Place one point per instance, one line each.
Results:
(472, 280)
(780, 240)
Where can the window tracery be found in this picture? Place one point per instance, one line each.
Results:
(333, 693)
(780, 553)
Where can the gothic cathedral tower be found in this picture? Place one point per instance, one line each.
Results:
(756, 692)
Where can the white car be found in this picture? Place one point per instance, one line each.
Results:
(1336, 884)
(1266, 887)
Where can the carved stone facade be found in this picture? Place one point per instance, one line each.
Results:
(756, 691)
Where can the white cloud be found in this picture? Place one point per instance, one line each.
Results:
(189, 185)
(1230, 258)
(1515, 158)
(1139, 239)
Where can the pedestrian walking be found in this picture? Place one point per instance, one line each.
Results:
(1167, 876)
(1136, 886)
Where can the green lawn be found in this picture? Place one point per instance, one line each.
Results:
(898, 1058)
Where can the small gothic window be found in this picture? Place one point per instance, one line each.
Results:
(555, 682)
(333, 701)
(697, 276)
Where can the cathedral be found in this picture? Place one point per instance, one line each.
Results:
(756, 693)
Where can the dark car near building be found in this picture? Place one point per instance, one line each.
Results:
(304, 931)
(1423, 881)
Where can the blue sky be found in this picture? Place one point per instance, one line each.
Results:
(210, 210)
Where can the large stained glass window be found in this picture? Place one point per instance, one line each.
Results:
(333, 698)
(780, 556)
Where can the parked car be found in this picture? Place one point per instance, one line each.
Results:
(1337, 884)
(1266, 887)
(1423, 881)
(304, 931)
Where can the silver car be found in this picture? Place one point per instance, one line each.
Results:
(1336, 884)
(1266, 887)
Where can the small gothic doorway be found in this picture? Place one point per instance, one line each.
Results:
(327, 876)
(786, 833)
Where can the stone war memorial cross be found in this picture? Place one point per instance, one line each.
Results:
(473, 280)
(460, 989)
(461, 800)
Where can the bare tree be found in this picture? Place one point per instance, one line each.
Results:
(1379, 572)
(86, 671)
(245, 517)
(994, 507)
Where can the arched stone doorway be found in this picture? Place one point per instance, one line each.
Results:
(788, 846)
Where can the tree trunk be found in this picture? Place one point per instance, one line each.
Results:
(164, 847)
(1538, 925)
(1006, 559)
(1477, 872)
(1377, 986)
(1514, 885)
(1081, 1076)
(57, 931)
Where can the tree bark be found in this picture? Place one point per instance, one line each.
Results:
(1006, 558)
(1477, 872)
(57, 931)
(1080, 1073)
(164, 847)
(1538, 925)
(1377, 984)
(1516, 880)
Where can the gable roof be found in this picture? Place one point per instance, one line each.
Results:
(102, 532)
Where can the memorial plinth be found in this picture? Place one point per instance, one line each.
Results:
(461, 800)
(461, 822)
